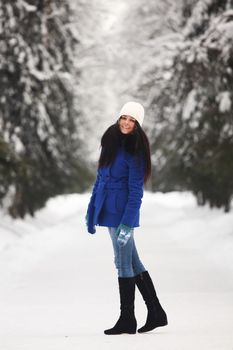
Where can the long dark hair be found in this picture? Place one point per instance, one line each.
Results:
(135, 143)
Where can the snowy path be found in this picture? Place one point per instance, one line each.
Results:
(58, 287)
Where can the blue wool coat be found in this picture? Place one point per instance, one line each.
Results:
(117, 193)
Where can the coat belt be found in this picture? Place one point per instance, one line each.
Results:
(113, 186)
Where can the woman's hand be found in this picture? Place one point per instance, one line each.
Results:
(124, 233)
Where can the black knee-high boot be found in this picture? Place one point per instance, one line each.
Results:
(127, 322)
(156, 316)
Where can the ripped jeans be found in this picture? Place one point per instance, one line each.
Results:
(126, 258)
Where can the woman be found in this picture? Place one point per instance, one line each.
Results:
(124, 167)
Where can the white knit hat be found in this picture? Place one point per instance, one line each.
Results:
(134, 109)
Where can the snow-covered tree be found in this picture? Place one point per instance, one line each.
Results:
(38, 137)
(195, 140)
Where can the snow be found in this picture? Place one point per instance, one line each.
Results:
(200, 14)
(58, 287)
(190, 105)
(224, 99)
(28, 7)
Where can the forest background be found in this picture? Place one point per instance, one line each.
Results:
(66, 68)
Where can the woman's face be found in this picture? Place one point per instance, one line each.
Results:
(126, 124)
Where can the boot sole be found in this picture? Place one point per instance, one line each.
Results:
(134, 332)
(152, 327)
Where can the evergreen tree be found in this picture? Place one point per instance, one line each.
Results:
(38, 140)
(195, 142)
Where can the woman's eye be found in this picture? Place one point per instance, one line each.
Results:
(131, 119)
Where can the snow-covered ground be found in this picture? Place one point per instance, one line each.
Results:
(58, 286)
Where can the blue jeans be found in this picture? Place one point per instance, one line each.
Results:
(126, 258)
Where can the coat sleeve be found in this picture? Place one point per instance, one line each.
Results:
(94, 189)
(135, 187)
(90, 208)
